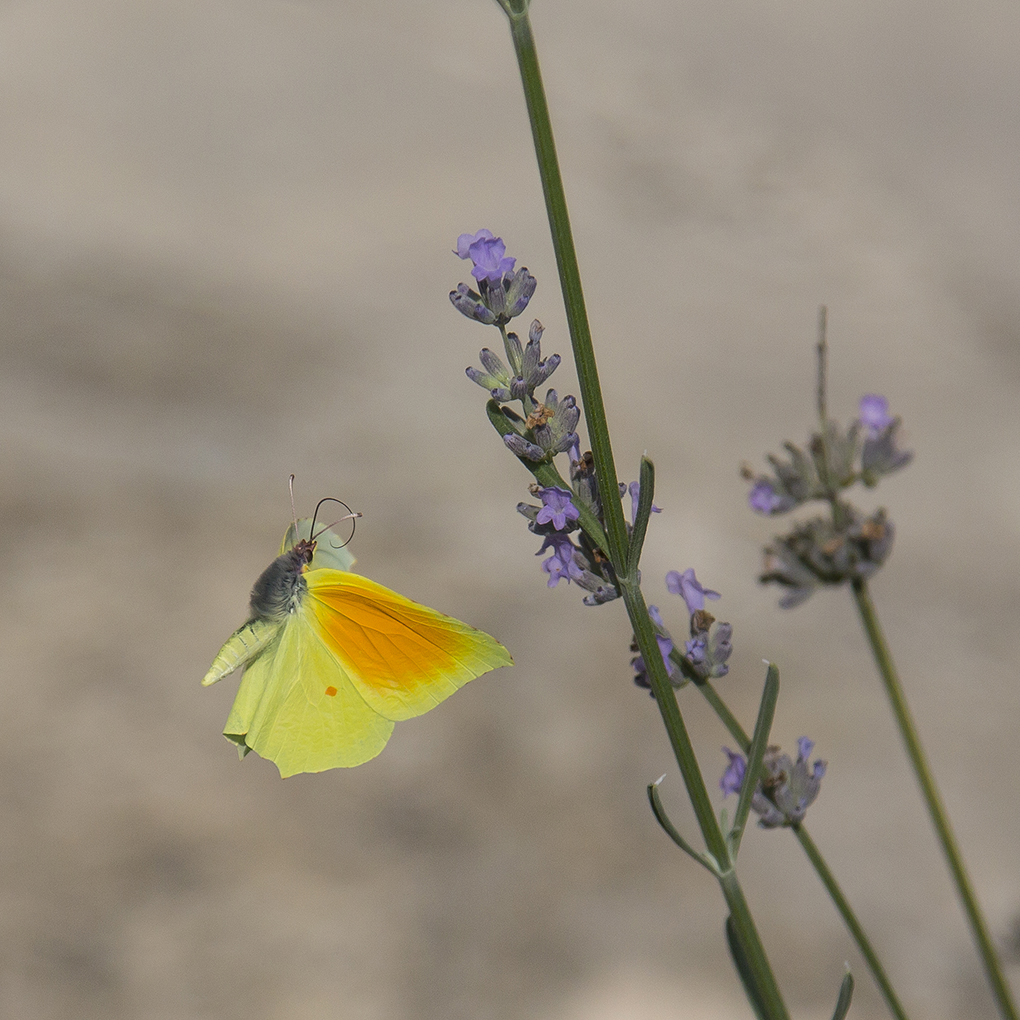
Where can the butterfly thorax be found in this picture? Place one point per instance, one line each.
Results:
(281, 587)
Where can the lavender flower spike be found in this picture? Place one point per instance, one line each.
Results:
(787, 788)
(690, 589)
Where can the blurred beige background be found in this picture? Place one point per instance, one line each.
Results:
(225, 234)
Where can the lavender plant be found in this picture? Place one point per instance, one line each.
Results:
(570, 518)
(581, 524)
(587, 540)
(847, 546)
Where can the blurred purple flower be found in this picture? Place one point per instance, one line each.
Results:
(733, 778)
(635, 496)
(664, 642)
(695, 649)
(787, 788)
(764, 499)
(875, 415)
(690, 589)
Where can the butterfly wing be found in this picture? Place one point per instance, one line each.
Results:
(402, 657)
(297, 706)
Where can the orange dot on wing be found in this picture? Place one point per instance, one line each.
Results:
(331, 692)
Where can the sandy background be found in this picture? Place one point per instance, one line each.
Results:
(225, 234)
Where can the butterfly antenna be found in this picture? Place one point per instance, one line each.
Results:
(351, 515)
(293, 509)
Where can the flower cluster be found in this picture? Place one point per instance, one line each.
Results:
(502, 294)
(703, 656)
(556, 520)
(544, 428)
(786, 788)
(852, 544)
(818, 552)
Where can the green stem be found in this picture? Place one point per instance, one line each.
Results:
(680, 740)
(919, 761)
(570, 282)
(857, 932)
(743, 922)
(615, 528)
(850, 920)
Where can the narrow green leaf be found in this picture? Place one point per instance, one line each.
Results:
(644, 511)
(744, 970)
(670, 829)
(846, 993)
(759, 742)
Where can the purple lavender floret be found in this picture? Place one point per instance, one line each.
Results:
(493, 375)
(502, 293)
(522, 448)
(488, 254)
(764, 499)
(880, 454)
(695, 649)
(786, 788)
(562, 565)
(875, 416)
(690, 589)
(557, 508)
(470, 303)
(635, 496)
(733, 778)
(560, 417)
(519, 288)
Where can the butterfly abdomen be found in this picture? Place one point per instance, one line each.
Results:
(281, 587)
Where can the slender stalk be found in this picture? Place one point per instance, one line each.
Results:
(683, 750)
(616, 532)
(857, 932)
(570, 281)
(823, 368)
(919, 761)
(850, 920)
(743, 922)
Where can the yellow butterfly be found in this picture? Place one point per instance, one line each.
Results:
(331, 659)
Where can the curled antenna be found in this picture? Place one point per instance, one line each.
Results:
(351, 516)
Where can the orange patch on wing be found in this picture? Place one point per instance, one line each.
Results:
(402, 657)
(330, 692)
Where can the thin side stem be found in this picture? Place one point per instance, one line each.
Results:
(857, 932)
(665, 698)
(850, 920)
(823, 366)
(919, 761)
